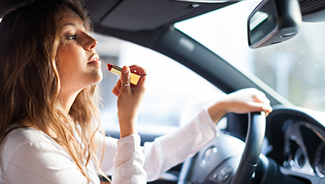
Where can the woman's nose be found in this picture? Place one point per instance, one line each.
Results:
(90, 42)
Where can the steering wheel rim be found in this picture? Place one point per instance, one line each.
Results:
(252, 150)
(228, 154)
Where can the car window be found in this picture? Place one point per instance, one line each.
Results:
(295, 68)
(174, 94)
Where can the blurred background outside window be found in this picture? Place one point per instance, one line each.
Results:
(295, 68)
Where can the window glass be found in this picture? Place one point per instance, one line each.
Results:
(295, 68)
(174, 94)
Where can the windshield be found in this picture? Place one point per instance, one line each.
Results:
(295, 68)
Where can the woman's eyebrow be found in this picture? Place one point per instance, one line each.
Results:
(71, 24)
(68, 24)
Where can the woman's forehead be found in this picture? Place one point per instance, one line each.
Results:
(69, 17)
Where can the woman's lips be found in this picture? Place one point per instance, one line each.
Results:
(94, 60)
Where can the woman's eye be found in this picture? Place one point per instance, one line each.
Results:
(72, 37)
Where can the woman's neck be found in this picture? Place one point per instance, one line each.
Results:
(67, 100)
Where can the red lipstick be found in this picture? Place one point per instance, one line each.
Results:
(94, 60)
(117, 71)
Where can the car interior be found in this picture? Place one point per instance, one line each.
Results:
(288, 146)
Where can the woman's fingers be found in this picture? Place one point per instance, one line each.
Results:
(242, 101)
(140, 71)
(263, 101)
(116, 90)
(257, 107)
(123, 82)
(260, 97)
(248, 100)
(137, 70)
(125, 79)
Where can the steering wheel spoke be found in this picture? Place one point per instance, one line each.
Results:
(227, 159)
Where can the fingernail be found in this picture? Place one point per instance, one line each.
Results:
(124, 70)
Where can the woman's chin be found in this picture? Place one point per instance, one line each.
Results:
(97, 76)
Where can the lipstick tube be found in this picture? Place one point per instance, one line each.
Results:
(117, 71)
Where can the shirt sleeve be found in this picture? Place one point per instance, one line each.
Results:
(168, 150)
(171, 149)
(129, 162)
(40, 163)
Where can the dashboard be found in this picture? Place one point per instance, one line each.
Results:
(304, 148)
(297, 138)
(294, 152)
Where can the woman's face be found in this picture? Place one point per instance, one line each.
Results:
(77, 60)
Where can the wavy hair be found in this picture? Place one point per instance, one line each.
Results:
(30, 83)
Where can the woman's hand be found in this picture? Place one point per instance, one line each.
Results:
(129, 99)
(242, 101)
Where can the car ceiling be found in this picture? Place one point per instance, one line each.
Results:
(120, 17)
(136, 15)
(109, 16)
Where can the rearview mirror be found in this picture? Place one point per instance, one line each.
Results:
(273, 21)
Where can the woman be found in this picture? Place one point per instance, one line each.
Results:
(49, 129)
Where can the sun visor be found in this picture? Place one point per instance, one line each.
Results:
(136, 15)
(99, 8)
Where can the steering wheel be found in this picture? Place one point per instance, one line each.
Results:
(227, 159)
(254, 141)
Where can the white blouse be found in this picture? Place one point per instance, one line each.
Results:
(29, 156)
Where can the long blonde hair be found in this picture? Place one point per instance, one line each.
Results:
(30, 85)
